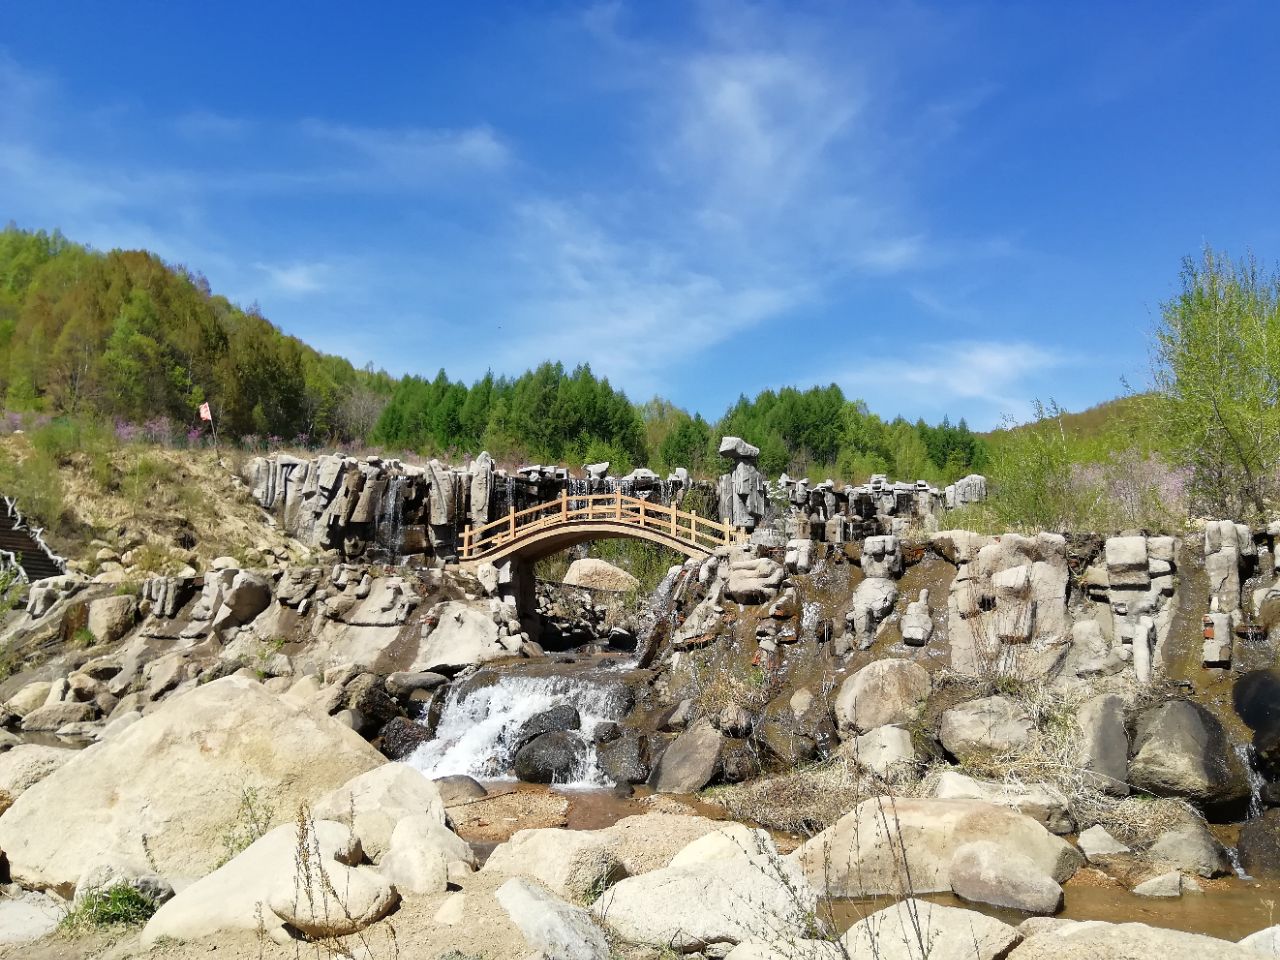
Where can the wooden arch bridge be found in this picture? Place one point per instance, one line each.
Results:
(553, 526)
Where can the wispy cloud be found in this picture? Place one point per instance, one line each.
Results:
(413, 154)
(996, 379)
(296, 279)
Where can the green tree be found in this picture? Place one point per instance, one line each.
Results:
(1217, 383)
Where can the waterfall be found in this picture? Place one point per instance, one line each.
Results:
(1256, 780)
(476, 735)
(390, 521)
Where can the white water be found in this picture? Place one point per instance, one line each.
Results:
(476, 736)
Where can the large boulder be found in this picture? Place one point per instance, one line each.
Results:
(983, 729)
(462, 637)
(111, 617)
(1259, 845)
(863, 853)
(28, 698)
(248, 595)
(563, 716)
(691, 761)
(686, 908)
(882, 693)
(987, 872)
(570, 863)
(1124, 941)
(1192, 849)
(555, 757)
(374, 802)
(1181, 750)
(919, 930)
(551, 927)
(238, 895)
(168, 789)
(419, 853)
(600, 575)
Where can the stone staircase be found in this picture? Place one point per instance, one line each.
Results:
(24, 547)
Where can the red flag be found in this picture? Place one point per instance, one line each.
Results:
(205, 413)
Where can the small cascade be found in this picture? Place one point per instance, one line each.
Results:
(1256, 780)
(390, 519)
(476, 735)
(660, 611)
(1234, 856)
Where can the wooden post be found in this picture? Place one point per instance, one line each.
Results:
(511, 521)
(693, 526)
(564, 504)
(466, 542)
(642, 513)
(617, 505)
(674, 514)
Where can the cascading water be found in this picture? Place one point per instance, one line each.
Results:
(1256, 780)
(390, 522)
(477, 732)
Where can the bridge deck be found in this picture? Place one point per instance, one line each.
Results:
(551, 526)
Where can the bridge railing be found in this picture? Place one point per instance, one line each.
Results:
(682, 525)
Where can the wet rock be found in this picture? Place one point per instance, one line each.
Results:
(1105, 744)
(368, 697)
(988, 872)
(400, 736)
(1259, 845)
(738, 762)
(561, 717)
(606, 731)
(882, 693)
(1181, 750)
(624, 760)
(1256, 696)
(554, 757)
(985, 728)
(1166, 885)
(1192, 849)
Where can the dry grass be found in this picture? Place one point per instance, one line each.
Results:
(802, 801)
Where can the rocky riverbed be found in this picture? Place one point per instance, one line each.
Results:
(1024, 746)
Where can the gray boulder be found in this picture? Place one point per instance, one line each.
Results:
(561, 717)
(1181, 750)
(554, 757)
(988, 872)
(986, 728)
(1192, 849)
(691, 761)
(919, 930)
(248, 595)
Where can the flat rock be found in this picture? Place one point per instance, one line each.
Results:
(1038, 801)
(690, 762)
(987, 872)
(1096, 842)
(986, 728)
(1125, 941)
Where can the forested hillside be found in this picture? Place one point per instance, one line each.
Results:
(124, 337)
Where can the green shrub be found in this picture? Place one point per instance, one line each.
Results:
(117, 906)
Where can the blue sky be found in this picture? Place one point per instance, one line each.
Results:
(946, 208)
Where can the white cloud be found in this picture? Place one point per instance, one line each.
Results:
(412, 154)
(296, 279)
(993, 378)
